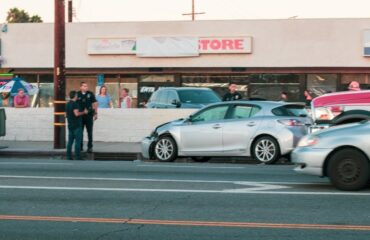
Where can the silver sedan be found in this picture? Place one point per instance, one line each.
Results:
(341, 153)
(262, 129)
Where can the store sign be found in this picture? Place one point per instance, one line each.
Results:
(367, 43)
(111, 46)
(170, 46)
(225, 45)
(167, 47)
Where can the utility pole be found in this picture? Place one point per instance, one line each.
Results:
(70, 11)
(193, 13)
(59, 76)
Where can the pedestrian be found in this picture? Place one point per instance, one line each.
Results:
(87, 100)
(232, 95)
(74, 118)
(6, 100)
(126, 101)
(354, 86)
(308, 98)
(103, 98)
(284, 96)
(21, 100)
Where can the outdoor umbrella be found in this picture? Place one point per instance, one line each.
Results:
(17, 83)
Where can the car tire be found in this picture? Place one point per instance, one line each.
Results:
(201, 159)
(349, 170)
(165, 149)
(266, 150)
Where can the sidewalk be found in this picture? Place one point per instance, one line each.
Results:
(102, 150)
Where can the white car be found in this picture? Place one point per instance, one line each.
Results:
(341, 153)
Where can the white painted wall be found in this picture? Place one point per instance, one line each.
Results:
(276, 43)
(113, 125)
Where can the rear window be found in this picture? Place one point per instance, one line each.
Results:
(290, 111)
(154, 97)
(198, 96)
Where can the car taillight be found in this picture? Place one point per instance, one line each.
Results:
(291, 122)
(324, 117)
(336, 109)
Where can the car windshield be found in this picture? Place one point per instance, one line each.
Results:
(290, 110)
(198, 96)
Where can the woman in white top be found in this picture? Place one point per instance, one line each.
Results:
(125, 99)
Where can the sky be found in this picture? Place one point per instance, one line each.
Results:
(170, 10)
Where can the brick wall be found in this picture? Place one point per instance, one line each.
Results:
(113, 125)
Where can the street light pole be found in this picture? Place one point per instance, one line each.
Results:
(59, 76)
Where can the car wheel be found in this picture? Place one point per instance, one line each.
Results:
(266, 150)
(349, 170)
(165, 149)
(201, 159)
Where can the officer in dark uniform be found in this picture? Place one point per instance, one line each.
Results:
(74, 117)
(232, 95)
(87, 100)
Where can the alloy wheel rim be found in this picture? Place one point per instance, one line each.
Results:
(164, 149)
(265, 150)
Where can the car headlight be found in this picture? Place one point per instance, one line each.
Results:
(309, 140)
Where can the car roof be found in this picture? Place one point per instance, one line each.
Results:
(264, 104)
(184, 88)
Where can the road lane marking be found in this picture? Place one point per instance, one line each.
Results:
(132, 179)
(183, 166)
(224, 191)
(186, 223)
(156, 180)
(33, 163)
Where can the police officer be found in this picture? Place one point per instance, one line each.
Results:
(87, 100)
(232, 95)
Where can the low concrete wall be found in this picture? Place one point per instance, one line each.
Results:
(113, 125)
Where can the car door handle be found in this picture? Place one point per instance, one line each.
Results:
(251, 124)
(216, 126)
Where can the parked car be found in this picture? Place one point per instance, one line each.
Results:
(262, 129)
(183, 97)
(340, 108)
(341, 153)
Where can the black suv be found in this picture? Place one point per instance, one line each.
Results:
(184, 97)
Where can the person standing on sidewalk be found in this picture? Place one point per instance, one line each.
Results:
(74, 126)
(232, 95)
(21, 100)
(87, 100)
(126, 101)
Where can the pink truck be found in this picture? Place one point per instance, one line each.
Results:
(340, 108)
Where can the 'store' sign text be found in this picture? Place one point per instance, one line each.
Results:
(225, 45)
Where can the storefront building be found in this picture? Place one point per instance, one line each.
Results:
(263, 57)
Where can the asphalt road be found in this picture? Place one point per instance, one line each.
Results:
(55, 199)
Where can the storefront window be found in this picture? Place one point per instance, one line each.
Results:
(219, 84)
(319, 84)
(270, 86)
(148, 84)
(362, 79)
(46, 91)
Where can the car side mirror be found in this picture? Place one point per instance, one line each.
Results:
(176, 103)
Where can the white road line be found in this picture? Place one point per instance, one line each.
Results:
(157, 180)
(182, 166)
(185, 191)
(33, 163)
